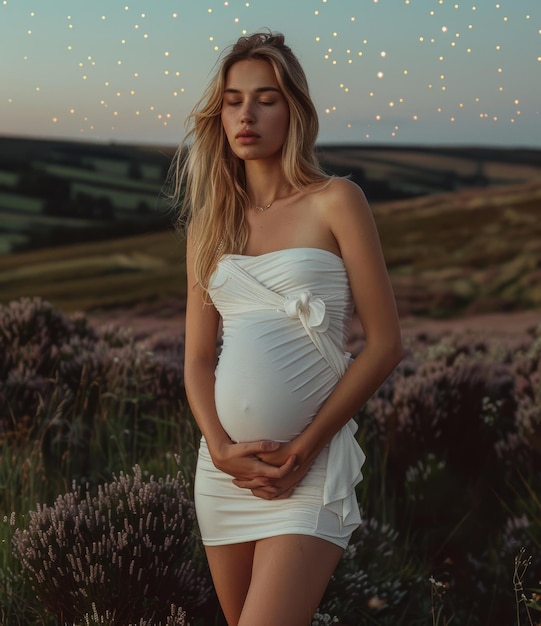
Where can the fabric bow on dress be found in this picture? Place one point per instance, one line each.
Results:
(311, 311)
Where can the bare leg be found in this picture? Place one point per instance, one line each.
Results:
(231, 569)
(290, 574)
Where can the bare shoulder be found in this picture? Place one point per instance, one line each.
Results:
(341, 197)
(343, 205)
(341, 189)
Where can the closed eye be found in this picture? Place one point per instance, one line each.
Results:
(235, 103)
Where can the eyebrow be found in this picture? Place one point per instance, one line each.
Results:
(258, 90)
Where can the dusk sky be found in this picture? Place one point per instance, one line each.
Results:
(381, 71)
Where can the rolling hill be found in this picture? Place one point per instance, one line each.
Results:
(462, 252)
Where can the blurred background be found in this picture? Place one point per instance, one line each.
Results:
(433, 107)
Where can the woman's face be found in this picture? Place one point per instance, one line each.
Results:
(255, 113)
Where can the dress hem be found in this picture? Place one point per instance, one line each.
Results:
(341, 543)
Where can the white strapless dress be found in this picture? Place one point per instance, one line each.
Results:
(286, 317)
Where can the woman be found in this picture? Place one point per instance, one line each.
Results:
(280, 253)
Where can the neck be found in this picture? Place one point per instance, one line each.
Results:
(264, 183)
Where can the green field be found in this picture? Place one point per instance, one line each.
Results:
(448, 254)
(20, 203)
(460, 227)
(52, 192)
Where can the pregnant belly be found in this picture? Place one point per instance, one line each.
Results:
(270, 389)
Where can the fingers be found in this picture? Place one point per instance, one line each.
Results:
(267, 446)
(263, 494)
(288, 466)
(274, 471)
(270, 491)
(257, 447)
(267, 475)
(255, 483)
(244, 465)
(263, 488)
(267, 493)
(285, 494)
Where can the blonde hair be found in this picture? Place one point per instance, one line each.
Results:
(209, 179)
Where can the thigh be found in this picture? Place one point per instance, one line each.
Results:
(231, 569)
(290, 574)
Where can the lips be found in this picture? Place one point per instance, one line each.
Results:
(247, 134)
(247, 138)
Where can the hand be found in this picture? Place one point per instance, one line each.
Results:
(283, 487)
(244, 462)
(279, 489)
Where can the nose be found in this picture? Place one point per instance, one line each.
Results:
(247, 113)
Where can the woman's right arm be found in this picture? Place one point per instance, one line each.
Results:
(237, 459)
(202, 321)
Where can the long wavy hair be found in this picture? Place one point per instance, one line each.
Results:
(208, 179)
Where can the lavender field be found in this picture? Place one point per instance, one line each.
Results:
(97, 459)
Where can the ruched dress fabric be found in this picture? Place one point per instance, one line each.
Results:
(286, 317)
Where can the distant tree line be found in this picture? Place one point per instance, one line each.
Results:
(58, 199)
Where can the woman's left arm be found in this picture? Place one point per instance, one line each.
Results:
(350, 221)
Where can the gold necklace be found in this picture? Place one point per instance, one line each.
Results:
(262, 208)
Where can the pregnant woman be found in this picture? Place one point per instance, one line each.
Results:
(281, 254)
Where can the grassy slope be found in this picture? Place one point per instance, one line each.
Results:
(467, 251)
(119, 272)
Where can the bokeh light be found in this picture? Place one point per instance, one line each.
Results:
(380, 70)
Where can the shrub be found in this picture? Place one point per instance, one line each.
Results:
(46, 355)
(374, 575)
(123, 555)
(85, 394)
(35, 342)
(177, 617)
(452, 442)
(453, 473)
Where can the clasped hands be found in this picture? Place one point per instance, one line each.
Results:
(271, 470)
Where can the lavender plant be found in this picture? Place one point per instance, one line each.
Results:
(373, 577)
(324, 619)
(35, 341)
(47, 359)
(453, 441)
(96, 400)
(125, 555)
(177, 617)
